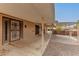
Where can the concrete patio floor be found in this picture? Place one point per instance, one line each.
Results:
(21, 48)
(60, 45)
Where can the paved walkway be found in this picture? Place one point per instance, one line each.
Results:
(60, 45)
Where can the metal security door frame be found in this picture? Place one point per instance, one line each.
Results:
(14, 30)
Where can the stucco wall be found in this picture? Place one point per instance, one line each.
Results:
(29, 31)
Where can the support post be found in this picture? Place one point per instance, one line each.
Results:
(42, 22)
(78, 33)
(1, 32)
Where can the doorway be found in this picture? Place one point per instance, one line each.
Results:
(5, 30)
(6, 25)
(12, 30)
(37, 29)
(15, 30)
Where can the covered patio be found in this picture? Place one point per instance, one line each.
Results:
(24, 38)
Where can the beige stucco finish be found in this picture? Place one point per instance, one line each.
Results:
(31, 12)
(29, 31)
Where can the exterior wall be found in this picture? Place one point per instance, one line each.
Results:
(29, 31)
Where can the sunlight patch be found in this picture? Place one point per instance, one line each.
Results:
(73, 38)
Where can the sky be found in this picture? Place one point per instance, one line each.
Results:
(65, 12)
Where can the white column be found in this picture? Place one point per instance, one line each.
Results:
(78, 33)
(42, 35)
(1, 46)
(42, 22)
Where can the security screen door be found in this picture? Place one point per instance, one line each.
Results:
(5, 31)
(15, 30)
(12, 29)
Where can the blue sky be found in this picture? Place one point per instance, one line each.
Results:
(65, 12)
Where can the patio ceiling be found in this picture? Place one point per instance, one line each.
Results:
(31, 12)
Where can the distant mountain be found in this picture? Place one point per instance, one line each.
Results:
(67, 23)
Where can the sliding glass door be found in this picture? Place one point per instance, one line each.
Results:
(12, 30)
(15, 30)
